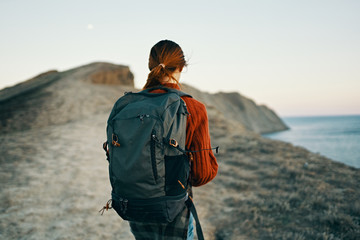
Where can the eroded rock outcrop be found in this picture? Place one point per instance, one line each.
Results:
(112, 74)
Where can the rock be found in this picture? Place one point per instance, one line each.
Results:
(113, 75)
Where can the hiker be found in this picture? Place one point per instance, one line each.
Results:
(166, 62)
(158, 147)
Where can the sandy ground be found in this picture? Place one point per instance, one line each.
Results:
(53, 189)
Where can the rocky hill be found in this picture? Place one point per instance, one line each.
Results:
(54, 176)
(237, 108)
(54, 98)
(83, 91)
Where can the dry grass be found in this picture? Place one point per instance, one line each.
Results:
(277, 191)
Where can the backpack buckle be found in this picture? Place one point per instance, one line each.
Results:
(105, 147)
(115, 140)
(173, 143)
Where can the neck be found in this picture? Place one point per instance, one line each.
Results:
(169, 80)
(176, 74)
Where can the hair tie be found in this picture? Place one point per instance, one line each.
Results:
(162, 65)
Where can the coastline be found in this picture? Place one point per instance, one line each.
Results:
(336, 137)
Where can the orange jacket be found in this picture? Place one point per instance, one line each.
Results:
(204, 165)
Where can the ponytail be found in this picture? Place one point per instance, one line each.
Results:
(165, 57)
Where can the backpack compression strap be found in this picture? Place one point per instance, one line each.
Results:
(190, 205)
(174, 143)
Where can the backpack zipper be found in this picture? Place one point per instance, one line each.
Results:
(142, 116)
(152, 154)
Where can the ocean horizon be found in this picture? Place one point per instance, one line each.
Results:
(336, 137)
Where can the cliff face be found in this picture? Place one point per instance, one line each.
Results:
(235, 107)
(106, 73)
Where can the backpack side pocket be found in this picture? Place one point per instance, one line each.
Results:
(176, 174)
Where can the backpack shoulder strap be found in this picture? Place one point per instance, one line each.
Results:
(190, 205)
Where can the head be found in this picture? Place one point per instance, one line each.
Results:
(166, 58)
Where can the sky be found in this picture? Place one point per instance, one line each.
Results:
(300, 58)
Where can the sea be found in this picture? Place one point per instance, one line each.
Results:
(336, 137)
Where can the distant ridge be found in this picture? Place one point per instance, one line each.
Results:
(29, 85)
(53, 98)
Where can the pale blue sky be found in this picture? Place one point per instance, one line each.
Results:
(297, 57)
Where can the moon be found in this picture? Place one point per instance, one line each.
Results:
(90, 26)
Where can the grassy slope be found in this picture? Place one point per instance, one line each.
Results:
(267, 189)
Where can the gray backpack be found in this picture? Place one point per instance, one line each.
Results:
(148, 165)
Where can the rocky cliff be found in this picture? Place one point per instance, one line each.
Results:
(82, 91)
(235, 107)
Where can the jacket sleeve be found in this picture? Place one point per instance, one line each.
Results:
(204, 165)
